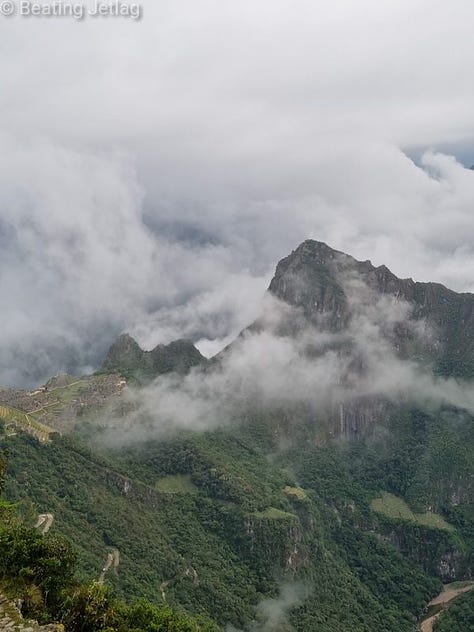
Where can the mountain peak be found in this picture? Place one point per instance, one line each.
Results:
(315, 245)
(126, 357)
(319, 251)
(314, 275)
(316, 279)
(124, 352)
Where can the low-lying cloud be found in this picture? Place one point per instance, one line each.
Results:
(273, 614)
(309, 369)
(153, 173)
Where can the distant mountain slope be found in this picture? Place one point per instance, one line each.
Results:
(127, 358)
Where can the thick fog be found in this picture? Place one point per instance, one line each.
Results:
(153, 172)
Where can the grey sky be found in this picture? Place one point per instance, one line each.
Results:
(152, 173)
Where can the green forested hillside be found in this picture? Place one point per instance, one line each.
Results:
(212, 522)
(37, 571)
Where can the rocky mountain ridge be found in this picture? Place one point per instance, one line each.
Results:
(125, 356)
(317, 280)
(11, 620)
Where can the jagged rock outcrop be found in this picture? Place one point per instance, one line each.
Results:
(129, 359)
(12, 620)
(317, 280)
(350, 300)
(125, 352)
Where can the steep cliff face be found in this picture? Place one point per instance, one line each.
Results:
(127, 358)
(308, 279)
(125, 352)
(322, 283)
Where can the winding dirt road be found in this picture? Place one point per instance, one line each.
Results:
(44, 522)
(113, 557)
(443, 600)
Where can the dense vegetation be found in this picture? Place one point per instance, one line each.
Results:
(217, 521)
(40, 571)
(459, 617)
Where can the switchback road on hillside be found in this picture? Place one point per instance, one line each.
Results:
(113, 557)
(44, 522)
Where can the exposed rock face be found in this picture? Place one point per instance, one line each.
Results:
(11, 619)
(335, 293)
(437, 552)
(307, 279)
(126, 357)
(315, 279)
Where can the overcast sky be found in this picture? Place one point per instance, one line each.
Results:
(153, 172)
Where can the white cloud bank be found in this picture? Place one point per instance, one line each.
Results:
(152, 173)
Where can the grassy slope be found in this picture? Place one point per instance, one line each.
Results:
(394, 507)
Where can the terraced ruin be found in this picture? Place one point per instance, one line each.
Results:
(56, 406)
